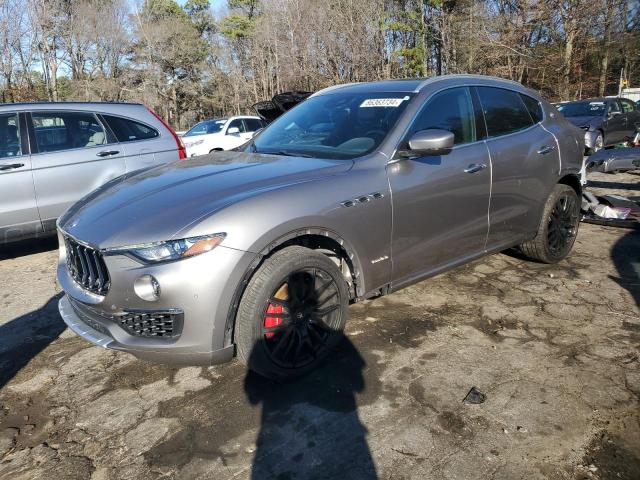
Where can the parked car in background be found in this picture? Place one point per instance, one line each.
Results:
(605, 121)
(53, 154)
(220, 134)
(358, 191)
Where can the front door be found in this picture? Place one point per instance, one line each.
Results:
(18, 211)
(440, 203)
(74, 157)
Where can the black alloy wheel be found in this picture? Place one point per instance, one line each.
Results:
(300, 316)
(292, 313)
(563, 224)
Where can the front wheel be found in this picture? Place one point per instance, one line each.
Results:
(558, 227)
(292, 313)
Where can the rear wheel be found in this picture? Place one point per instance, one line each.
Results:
(558, 227)
(291, 314)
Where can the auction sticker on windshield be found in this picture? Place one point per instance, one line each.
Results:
(382, 102)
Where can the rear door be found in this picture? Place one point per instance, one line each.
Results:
(18, 210)
(141, 144)
(525, 162)
(72, 154)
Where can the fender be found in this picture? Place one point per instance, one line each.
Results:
(355, 265)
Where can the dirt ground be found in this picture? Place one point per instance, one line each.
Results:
(556, 350)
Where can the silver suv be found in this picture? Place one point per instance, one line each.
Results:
(358, 191)
(53, 154)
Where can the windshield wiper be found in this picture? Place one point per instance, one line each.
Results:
(288, 153)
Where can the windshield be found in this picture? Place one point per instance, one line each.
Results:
(582, 109)
(338, 125)
(206, 127)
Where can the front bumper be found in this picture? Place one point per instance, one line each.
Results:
(201, 287)
(82, 329)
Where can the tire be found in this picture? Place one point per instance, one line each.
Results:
(558, 227)
(284, 328)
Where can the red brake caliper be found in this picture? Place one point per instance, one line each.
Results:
(270, 322)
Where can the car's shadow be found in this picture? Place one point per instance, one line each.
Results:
(310, 427)
(625, 255)
(28, 247)
(24, 337)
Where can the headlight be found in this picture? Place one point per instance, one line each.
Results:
(174, 249)
(197, 142)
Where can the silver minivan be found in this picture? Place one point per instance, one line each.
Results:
(53, 154)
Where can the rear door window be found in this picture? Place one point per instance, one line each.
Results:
(127, 130)
(9, 136)
(450, 110)
(57, 131)
(534, 107)
(252, 124)
(504, 111)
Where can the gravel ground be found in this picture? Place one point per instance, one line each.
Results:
(556, 350)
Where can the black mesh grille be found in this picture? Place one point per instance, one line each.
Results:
(141, 323)
(87, 267)
(152, 324)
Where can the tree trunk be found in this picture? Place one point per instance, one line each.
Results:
(604, 65)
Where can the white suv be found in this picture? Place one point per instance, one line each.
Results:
(220, 134)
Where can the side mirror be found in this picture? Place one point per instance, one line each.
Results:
(429, 142)
(233, 131)
(614, 114)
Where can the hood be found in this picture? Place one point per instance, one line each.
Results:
(587, 121)
(153, 204)
(269, 110)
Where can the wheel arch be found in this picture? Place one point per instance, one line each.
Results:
(315, 238)
(573, 181)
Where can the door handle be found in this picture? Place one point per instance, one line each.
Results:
(475, 167)
(107, 153)
(546, 149)
(11, 166)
